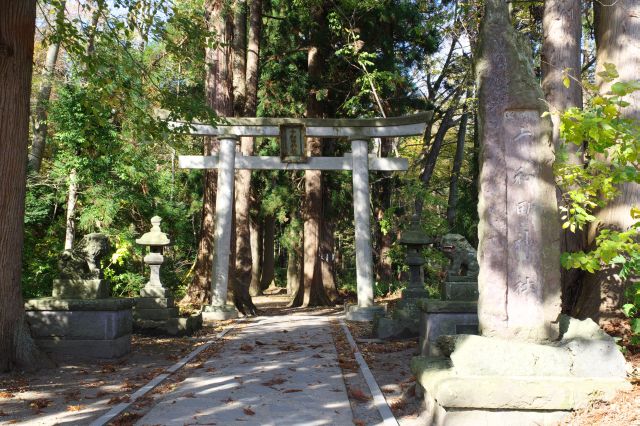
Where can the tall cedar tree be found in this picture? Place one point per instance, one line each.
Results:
(17, 27)
(617, 32)
(312, 292)
(219, 94)
(562, 32)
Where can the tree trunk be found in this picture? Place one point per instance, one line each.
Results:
(313, 293)
(617, 30)
(72, 200)
(17, 25)
(219, 93)
(239, 57)
(294, 268)
(434, 150)
(562, 32)
(455, 171)
(268, 252)
(251, 106)
(256, 258)
(40, 126)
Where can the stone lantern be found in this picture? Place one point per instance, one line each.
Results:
(414, 239)
(156, 240)
(405, 319)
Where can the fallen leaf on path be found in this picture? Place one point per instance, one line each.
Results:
(3, 414)
(274, 381)
(211, 369)
(189, 395)
(108, 368)
(228, 400)
(6, 395)
(126, 419)
(248, 411)
(359, 395)
(118, 399)
(75, 407)
(40, 403)
(358, 422)
(259, 343)
(245, 347)
(291, 390)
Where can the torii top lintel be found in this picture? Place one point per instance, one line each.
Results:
(410, 125)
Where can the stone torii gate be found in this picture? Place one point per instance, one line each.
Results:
(292, 133)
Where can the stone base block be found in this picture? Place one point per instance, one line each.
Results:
(154, 302)
(460, 290)
(180, 326)
(440, 318)
(159, 314)
(80, 289)
(154, 291)
(363, 314)
(483, 380)
(98, 325)
(86, 348)
(218, 313)
(82, 328)
(389, 328)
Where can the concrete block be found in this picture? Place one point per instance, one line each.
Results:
(154, 302)
(363, 314)
(80, 289)
(156, 314)
(86, 348)
(53, 304)
(180, 326)
(99, 325)
(212, 313)
(434, 325)
(460, 290)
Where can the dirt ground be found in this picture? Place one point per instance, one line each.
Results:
(79, 392)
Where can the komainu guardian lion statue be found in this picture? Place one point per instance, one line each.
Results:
(83, 261)
(462, 255)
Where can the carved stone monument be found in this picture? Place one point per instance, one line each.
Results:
(529, 365)
(81, 320)
(155, 311)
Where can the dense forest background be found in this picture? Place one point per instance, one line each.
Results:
(102, 161)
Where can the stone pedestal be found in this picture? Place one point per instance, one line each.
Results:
(77, 288)
(484, 380)
(160, 316)
(441, 318)
(218, 313)
(363, 313)
(98, 328)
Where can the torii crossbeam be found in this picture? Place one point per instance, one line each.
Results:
(359, 131)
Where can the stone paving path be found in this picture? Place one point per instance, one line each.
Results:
(275, 371)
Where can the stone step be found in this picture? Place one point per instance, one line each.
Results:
(460, 290)
(156, 314)
(154, 302)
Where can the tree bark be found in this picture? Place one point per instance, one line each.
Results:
(251, 106)
(17, 25)
(294, 269)
(256, 258)
(219, 93)
(382, 202)
(434, 150)
(617, 30)
(313, 293)
(455, 170)
(72, 200)
(268, 252)
(562, 32)
(40, 125)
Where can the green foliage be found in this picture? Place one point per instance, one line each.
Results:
(612, 150)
